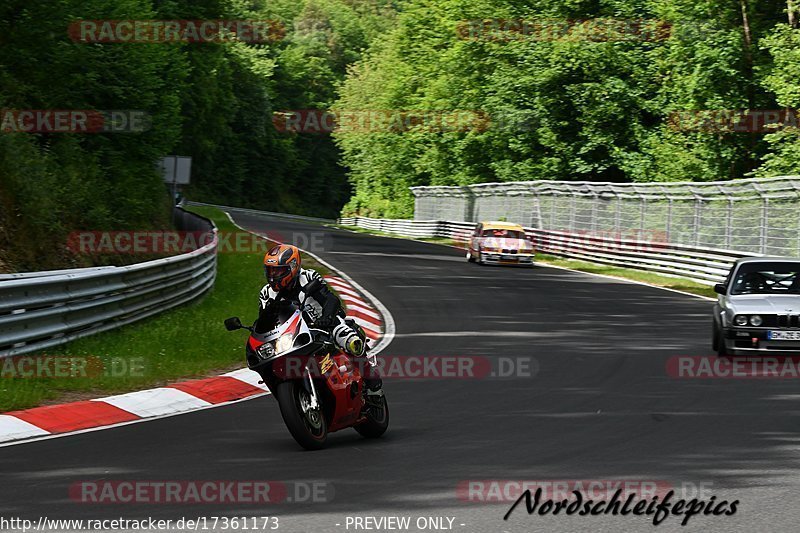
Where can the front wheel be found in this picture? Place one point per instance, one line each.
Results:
(714, 336)
(719, 344)
(306, 424)
(377, 410)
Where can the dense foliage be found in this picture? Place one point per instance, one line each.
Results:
(581, 106)
(211, 101)
(591, 101)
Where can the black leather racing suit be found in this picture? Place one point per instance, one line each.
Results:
(322, 306)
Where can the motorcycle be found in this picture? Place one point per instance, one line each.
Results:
(318, 387)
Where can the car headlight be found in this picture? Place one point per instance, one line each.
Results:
(740, 320)
(756, 320)
(285, 343)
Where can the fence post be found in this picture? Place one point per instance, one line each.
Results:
(642, 216)
(536, 214)
(729, 225)
(698, 203)
(764, 224)
(669, 219)
(572, 208)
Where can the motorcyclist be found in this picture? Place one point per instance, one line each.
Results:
(286, 281)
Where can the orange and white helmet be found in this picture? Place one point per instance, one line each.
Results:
(282, 266)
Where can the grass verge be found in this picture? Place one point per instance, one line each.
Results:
(632, 274)
(657, 280)
(182, 343)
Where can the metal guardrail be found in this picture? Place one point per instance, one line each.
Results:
(39, 310)
(759, 216)
(703, 265)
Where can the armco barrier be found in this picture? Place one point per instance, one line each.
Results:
(703, 265)
(39, 310)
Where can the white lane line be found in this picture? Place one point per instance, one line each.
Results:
(12, 428)
(155, 402)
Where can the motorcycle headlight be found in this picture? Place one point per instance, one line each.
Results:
(740, 320)
(266, 350)
(756, 320)
(285, 343)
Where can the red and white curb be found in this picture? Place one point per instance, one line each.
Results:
(357, 307)
(38, 423)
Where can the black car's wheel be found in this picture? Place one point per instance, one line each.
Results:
(306, 424)
(377, 418)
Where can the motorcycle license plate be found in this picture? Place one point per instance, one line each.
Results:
(783, 335)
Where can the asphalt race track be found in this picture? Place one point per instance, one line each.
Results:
(598, 405)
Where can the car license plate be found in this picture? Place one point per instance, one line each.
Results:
(783, 335)
(509, 258)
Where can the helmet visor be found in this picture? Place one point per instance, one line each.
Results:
(275, 274)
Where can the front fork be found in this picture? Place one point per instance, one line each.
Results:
(308, 382)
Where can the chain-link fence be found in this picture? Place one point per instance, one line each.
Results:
(756, 216)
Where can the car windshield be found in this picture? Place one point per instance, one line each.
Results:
(503, 234)
(767, 278)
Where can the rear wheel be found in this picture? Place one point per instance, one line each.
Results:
(377, 422)
(306, 424)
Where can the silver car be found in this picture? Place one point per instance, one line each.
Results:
(758, 308)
